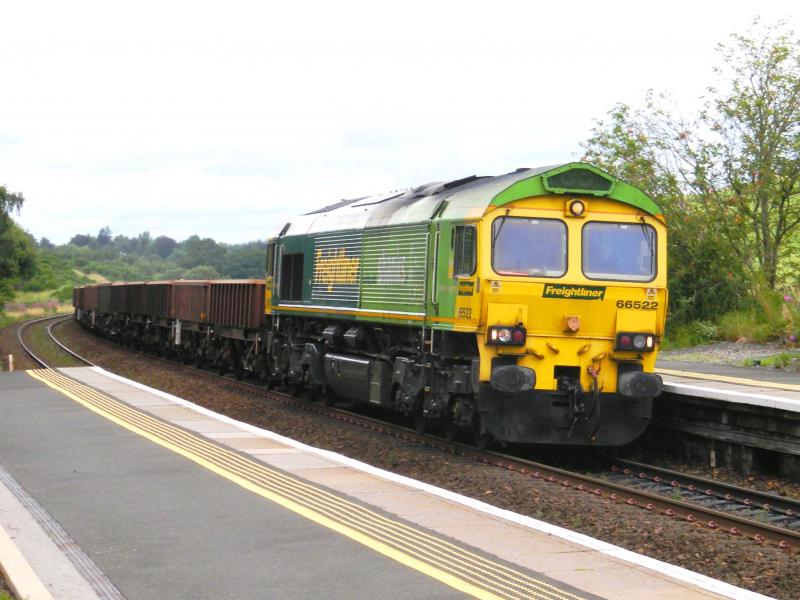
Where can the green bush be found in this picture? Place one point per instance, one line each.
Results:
(686, 335)
(752, 325)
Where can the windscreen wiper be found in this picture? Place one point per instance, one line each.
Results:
(500, 227)
(648, 238)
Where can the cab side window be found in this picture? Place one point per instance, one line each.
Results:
(270, 260)
(464, 250)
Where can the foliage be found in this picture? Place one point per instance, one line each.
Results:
(163, 246)
(728, 179)
(17, 248)
(705, 280)
(142, 258)
(748, 324)
(201, 272)
(791, 309)
(751, 169)
(686, 335)
(9, 201)
(782, 360)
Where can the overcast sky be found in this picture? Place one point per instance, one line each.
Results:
(224, 119)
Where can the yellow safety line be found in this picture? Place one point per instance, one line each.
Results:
(789, 387)
(236, 468)
(480, 562)
(341, 514)
(416, 548)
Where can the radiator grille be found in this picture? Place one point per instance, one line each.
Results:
(394, 266)
(579, 180)
(337, 266)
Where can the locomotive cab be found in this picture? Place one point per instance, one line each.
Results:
(572, 314)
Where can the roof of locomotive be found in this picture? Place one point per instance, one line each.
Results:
(468, 198)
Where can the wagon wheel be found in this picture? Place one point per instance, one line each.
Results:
(326, 396)
(421, 422)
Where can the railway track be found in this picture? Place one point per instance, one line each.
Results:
(761, 517)
(36, 357)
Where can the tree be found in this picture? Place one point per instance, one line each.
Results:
(705, 279)
(732, 171)
(163, 246)
(46, 244)
(246, 261)
(17, 248)
(143, 243)
(104, 236)
(201, 272)
(9, 201)
(82, 240)
(751, 170)
(195, 251)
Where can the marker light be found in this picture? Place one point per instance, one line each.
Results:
(506, 336)
(635, 342)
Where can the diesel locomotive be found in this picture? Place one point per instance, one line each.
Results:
(523, 308)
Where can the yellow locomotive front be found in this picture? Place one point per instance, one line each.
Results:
(572, 310)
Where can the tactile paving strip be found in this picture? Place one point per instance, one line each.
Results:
(439, 558)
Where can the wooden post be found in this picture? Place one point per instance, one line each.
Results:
(10, 362)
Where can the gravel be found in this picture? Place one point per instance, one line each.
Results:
(10, 345)
(727, 353)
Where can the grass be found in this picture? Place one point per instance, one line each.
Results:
(46, 350)
(777, 361)
(31, 305)
(755, 326)
(95, 277)
(688, 335)
(38, 311)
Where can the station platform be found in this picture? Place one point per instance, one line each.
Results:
(769, 388)
(110, 489)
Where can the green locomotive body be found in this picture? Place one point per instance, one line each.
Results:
(524, 308)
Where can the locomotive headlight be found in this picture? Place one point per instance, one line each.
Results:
(635, 342)
(506, 336)
(576, 208)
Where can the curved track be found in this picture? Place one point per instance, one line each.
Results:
(35, 357)
(764, 518)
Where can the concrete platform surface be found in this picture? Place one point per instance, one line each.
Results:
(759, 387)
(168, 499)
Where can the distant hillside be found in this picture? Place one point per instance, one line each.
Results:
(95, 259)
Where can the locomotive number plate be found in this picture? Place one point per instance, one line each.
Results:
(637, 305)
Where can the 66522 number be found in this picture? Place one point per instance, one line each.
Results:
(637, 304)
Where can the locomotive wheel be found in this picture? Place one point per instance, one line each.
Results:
(483, 439)
(326, 397)
(450, 429)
